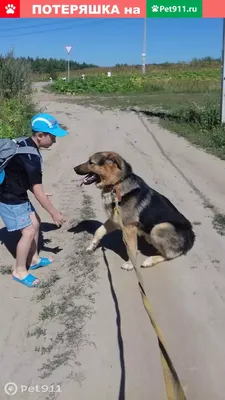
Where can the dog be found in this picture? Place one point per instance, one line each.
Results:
(144, 211)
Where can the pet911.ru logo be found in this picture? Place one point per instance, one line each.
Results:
(12, 388)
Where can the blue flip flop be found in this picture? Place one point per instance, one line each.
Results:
(44, 262)
(27, 281)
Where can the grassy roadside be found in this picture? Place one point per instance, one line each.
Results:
(186, 103)
(15, 115)
(16, 104)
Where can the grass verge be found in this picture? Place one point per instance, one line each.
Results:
(67, 306)
(15, 115)
(219, 223)
(194, 116)
(200, 125)
(16, 104)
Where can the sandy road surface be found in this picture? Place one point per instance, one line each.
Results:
(87, 330)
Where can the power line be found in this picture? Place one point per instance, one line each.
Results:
(56, 29)
(39, 25)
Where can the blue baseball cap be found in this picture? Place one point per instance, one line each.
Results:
(48, 124)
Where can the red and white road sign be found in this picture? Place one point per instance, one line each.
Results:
(68, 49)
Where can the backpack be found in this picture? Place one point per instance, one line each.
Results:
(8, 149)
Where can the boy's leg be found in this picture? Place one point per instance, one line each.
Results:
(33, 256)
(16, 217)
(22, 251)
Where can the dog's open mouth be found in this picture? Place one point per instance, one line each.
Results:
(90, 178)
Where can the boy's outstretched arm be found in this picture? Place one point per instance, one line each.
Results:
(44, 201)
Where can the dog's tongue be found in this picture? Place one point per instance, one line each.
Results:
(90, 178)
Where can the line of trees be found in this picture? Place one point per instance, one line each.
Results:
(44, 65)
(49, 66)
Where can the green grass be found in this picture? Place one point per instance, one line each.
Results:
(186, 99)
(219, 223)
(15, 116)
(171, 81)
(196, 65)
(16, 105)
(200, 125)
(168, 102)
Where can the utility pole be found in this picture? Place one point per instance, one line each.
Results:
(222, 107)
(144, 47)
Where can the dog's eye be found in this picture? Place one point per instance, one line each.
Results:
(102, 161)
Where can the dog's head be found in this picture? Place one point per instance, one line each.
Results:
(104, 168)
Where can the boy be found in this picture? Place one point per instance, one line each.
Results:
(24, 173)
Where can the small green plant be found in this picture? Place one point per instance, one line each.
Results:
(219, 223)
(6, 270)
(47, 285)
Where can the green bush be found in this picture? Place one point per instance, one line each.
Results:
(15, 77)
(206, 116)
(16, 105)
(15, 117)
(201, 125)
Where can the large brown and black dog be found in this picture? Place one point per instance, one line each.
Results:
(144, 211)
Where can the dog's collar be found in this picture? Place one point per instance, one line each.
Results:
(116, 191)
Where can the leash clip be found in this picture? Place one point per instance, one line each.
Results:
(114, 196)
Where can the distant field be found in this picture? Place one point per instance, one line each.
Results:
(207, 67)
(200, 76)
(185, 97)
(163, 87)
(170, 81)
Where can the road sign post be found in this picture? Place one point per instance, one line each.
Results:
(68, 49)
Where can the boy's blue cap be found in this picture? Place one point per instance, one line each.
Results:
(48, 124)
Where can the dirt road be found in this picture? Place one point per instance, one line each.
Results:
(85, 333)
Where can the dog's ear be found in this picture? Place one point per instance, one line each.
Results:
(114, 159)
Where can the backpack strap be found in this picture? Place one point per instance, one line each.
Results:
(27, 150)
(20, 139)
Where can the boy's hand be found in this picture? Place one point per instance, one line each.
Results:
(43, 199)
(58, 218)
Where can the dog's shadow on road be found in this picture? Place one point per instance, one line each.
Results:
(10, 239)
(113, 240)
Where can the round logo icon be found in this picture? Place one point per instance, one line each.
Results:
(11, 388)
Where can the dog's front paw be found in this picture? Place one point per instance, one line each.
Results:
(91, 248)
(127, 266)
(147, 263)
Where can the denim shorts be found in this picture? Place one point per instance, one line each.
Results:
(16, 216)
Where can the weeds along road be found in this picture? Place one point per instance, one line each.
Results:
(86, 329)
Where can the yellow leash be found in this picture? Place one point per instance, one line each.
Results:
(172, 383)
